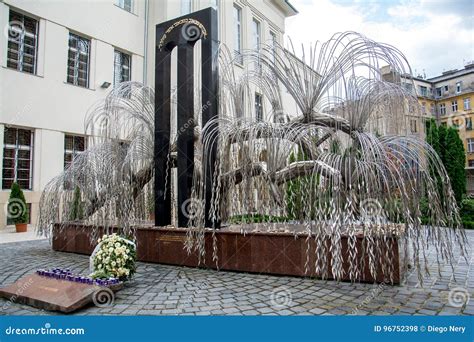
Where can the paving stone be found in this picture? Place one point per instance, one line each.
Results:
(170, 290)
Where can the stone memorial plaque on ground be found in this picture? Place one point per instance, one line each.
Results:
(56, 294)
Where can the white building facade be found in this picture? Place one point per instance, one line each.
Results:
(60, 57)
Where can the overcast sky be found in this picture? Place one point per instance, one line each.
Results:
(435, 35)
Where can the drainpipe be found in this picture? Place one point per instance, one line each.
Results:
(145, 46)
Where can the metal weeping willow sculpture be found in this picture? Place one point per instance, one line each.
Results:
(340, 165)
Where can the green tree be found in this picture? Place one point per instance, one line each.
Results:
(442, 131)
(454, 162)
(450, 148)
(77, 212)
(432, 135)
(17, 210)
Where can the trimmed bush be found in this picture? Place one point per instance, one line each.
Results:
(17, 209)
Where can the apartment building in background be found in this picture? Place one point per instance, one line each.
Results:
(60, 57)
(448, 98)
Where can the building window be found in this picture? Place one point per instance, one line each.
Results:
(238, 34)
(470, 162)
(258, 107)
(423, 107)
(438, 92)
(408, 87)
(432, 109)
(413, 126)
(454, 106)
(73, 146)
(458, 87)
(273, 42)
(17, 158)
(468, 124)
(126, 5)
(185, 7)
(256, 34)
(423, 91)
(442, 109)
(446, 88)
(78, 60)
(470, 145)
(467, 103)
(22, 43)
(122, 67)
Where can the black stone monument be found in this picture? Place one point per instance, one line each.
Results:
(183, 33)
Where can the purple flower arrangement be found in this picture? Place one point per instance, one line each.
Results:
(66, 274)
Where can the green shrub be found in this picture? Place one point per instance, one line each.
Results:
(77, 212)
(467, 213)
(256, 218)
(17, 209)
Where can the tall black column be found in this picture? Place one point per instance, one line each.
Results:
(162, 135)
(185, 131)
(210, 91)
(183, 33)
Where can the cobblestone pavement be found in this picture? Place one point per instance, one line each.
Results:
(170, 290)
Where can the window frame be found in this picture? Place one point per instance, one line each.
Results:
(121, 66)
(237, 18)
(80, 39)
(189, 7)
(21, 32)
(74, 152)
(470, 145)
(423, 91)
(258, 107)
(442, 109)
(16, 147)
(454, 106)
(273, 38)
(121, 4)
(257, 33)
(468, 123)
(413, 126)
(468, 101)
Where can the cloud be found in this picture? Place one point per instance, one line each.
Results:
(435, 35)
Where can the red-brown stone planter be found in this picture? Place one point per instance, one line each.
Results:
(270, 253)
